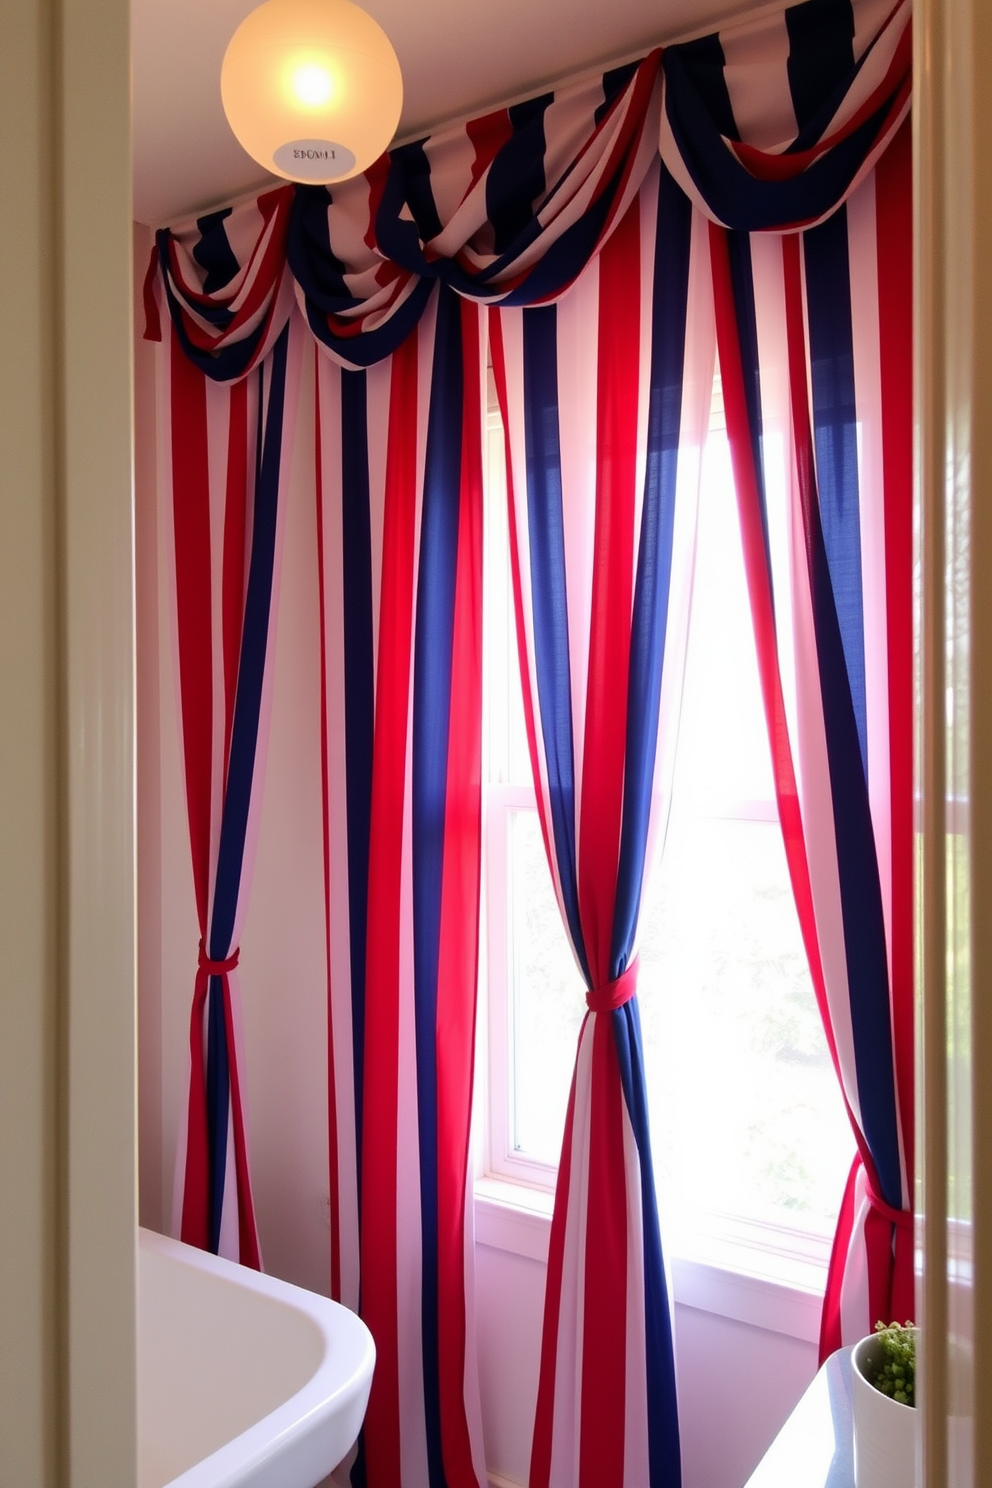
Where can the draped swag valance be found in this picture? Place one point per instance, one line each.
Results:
(767, 126)
(774, 232)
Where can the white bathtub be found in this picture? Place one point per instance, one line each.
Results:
(243, 1381)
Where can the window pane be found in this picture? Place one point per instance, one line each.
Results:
(746, 1114)
(548, 998)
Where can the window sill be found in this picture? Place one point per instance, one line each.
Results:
(755, 1274)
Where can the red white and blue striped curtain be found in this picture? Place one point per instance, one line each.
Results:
(225, 449)
(764, 128)
(815, 337)
(399, 513)
(605, 399)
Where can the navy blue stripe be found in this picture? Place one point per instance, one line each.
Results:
(431, 722)
(241, 766)
(310, 255)
(251, 668)
(218, 1107)
(549, 599)
(649, 620)
(860, 892)
(742, 281)
(735, 196)
(702, 63)
(835, 421)
(821, 51)
(516, 181)
(359, 708)
(614, 83)
(664, 1453)
(214, 252)
(418, 193)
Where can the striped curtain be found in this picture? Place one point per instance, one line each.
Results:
(815, 343)
(605, 399)
(399, 512)
(226, 453)
(558, 212)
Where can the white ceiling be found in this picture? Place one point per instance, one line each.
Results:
(457, 57)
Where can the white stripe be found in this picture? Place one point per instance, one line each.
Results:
(697, 392)
(377, 389)
(512, 326)
(817, 806)
(776, 444)
(568, 1355)
(229, 1243)
(798, 659)
(218, 418)
(855, 1321)
(578, 387)
(291, 405)
(340, 1012)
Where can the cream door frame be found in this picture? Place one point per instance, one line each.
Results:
(67, 1062)
(67, 918)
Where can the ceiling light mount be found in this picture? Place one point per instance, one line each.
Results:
(312, 89)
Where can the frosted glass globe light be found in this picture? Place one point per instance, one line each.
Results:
(312, 88)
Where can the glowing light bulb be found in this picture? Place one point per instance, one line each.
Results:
(312, 88)
(313, 85)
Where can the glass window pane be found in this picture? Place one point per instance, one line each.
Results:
(548, 998)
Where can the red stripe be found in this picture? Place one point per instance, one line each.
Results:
(458, 957)
(334, 1177)
(248, 1251)
(831, 1329)
(191, 522)
(382, 987)
(604, 1324)
(235, 546)
(894, 214)
(540, 1461)
(195, 1222)
(601, 789)
(893, 205)
(153, 320)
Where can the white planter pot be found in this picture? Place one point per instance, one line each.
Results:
(886, 1433)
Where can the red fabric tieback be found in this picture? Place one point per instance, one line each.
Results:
(218, 968)
(901, 1217)
(614, 994)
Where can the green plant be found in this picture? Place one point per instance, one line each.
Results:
(894, 1366)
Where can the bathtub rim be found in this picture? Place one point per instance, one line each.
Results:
(296, 1433)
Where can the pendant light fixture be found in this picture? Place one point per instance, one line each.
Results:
(312, 88)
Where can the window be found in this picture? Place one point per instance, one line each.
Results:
(751, 1142)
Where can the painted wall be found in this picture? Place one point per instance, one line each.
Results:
(761, 1373)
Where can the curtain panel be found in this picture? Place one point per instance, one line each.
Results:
(226, 455)
(766, 129)
(815, 339)
(605, 400)
(398, 463)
